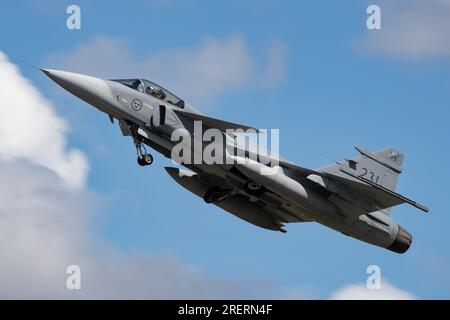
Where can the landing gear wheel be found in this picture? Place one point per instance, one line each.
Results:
(253, 188)
(212, 195)
(140, 161)
(147, 159)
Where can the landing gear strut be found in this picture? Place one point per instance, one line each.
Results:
(144, 158)
(212, 195)
(215, 195)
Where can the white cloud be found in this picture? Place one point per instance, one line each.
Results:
(276, 63)
(413, 30)
(213, 68)
(31, 130)
(361, 292)
(44, 228)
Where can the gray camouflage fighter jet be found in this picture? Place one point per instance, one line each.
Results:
(352, 196)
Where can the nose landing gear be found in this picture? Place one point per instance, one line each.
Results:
(144, 158)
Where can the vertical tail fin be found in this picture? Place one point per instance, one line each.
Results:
(382, 167)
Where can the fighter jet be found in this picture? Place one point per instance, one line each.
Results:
(352, 196)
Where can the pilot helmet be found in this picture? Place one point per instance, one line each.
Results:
(150, 90)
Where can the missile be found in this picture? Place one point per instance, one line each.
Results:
(237, 205)
(278, 182)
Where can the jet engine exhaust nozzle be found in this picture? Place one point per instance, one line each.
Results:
(402, 242)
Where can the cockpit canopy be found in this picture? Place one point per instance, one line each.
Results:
(151, 88)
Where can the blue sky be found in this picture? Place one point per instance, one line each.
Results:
(311, 69)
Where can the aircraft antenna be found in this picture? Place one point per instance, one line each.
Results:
(331, 159)
(29, 64)
(12, 58)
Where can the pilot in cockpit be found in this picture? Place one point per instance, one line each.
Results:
(149, 90)
(157, 93)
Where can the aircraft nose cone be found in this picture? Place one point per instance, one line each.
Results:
(93, 90)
